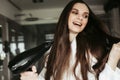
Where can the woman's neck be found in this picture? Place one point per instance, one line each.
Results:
(72, 36)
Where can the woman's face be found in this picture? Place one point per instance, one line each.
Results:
(78, 18)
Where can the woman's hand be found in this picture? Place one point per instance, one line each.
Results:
(29, 75)
(114, 56)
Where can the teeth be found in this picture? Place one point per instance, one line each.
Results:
(79, 24)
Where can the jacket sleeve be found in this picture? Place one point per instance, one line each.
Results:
(43, 71)
(42, 74)
(109, 74)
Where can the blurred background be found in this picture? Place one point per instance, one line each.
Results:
(25, 24)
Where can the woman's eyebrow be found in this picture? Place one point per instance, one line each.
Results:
(86, 12)
(78, 10)
(74, 9)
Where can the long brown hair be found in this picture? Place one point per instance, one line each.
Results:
(92, 38)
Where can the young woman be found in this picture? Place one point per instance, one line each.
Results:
(81, 50)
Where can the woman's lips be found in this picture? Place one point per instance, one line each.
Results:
(77, 23)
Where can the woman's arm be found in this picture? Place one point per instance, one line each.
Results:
(111, 71)
(33, 75)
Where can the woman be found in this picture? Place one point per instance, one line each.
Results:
(81, 49)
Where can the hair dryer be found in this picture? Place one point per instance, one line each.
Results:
(26, 59)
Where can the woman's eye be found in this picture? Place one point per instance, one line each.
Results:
(74, 12)
(85, 16)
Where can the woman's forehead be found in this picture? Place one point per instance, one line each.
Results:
(80, 7)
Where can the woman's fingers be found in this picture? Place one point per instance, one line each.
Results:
(114, 56)
(29, 75)
(118, 43)
(116, 49)
(34, 69)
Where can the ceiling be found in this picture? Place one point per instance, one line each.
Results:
(47, 11)
(40, 4)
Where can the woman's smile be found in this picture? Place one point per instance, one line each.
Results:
(78, 18)
(77, 24)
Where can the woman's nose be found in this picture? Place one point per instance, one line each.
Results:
(80, 17)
